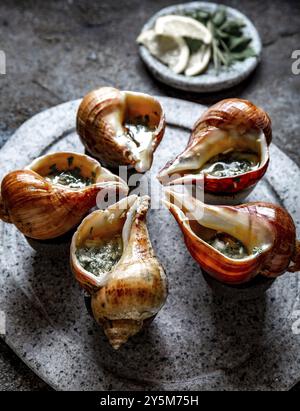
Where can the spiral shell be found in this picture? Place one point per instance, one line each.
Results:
(42, 210)
(100, 124)
(230, 125)
(132, 293)
(267, 231)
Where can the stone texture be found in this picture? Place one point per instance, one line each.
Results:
(57, 51)
(201, 339)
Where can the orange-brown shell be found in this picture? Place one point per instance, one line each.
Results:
(237, 114)
(271, 263)
(98, 131)
(234, 114)
(41, 210)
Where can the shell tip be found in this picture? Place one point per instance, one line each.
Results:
(118, 332)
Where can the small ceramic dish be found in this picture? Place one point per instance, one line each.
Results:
(210, 80)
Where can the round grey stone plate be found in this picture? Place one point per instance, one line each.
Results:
(210, 80)
(197, 341)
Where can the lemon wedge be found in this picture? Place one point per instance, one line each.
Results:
(170, 50)
(198, 61)
(181, 26)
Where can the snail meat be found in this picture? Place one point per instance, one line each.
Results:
(121, 128)
(113, 259)
(54, 193)
(227, 154)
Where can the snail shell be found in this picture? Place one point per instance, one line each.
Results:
(101, 126)
(231, 125)
(259, 226)
(133, 292)
(43, 210)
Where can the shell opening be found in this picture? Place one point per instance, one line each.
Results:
(102, 239)
(141, 117)
(222, 154)
(229, 231)
(73, 170)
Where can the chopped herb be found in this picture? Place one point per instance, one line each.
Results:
(101, 258)
(70, 178)
(257, 250)
(231, 164)
(229, 246)
(137, 128)
(140, 120)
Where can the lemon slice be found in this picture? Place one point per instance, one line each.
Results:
(170, 50)
(181, 26)
(198, 61)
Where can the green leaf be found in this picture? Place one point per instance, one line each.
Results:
(224, 46)
(232, 26)
(242, 55)
(221, 34)
(193, 44)
(199, 15)
(219, 17)
(238, 44)
(222, 57)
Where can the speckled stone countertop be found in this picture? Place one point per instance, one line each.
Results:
(57, 51)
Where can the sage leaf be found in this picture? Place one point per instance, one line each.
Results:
(239, 43)
(219, 17)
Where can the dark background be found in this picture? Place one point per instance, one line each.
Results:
(59, 50)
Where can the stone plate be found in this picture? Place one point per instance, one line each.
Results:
(210, 80)
(198, 340)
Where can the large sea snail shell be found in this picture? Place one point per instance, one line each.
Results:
(102, 123)
(135, 289)
(43, 209)
(230, 126)
(267, 231)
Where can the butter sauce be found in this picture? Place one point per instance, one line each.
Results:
(70, 178)
(229, 246)
(139, 136)
(99, 257)
(231, 164)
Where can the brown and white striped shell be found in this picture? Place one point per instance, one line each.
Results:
(232, 124)
(101, 126)
(42, 210)
(266, 230)
(133, 292)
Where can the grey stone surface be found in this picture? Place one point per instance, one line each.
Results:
(57, 51)
(199, 340)
(208, 81)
